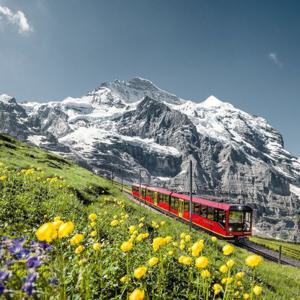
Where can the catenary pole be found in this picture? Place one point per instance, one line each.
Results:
(191, 195)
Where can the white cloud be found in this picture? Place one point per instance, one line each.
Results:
(17, 18)
(274, 58)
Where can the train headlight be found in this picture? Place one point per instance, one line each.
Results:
(230, 229)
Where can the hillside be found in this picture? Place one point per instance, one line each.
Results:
(130, 125)
(36, 186)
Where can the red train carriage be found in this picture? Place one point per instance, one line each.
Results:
(226, 220)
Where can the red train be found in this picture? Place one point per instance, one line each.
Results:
(226, 220)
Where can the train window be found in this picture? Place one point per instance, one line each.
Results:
(220, 216)
(174, 203)
(239, 221)
(210, 213)
(186, 206)
(203, 211)
(196, 208)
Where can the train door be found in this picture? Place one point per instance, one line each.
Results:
(180, 207)
(155, 198)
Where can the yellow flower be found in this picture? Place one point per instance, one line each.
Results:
(57, 219)
(140, 225)
(158, 242)
(239, 275)
(93, 233)
(182, 246)
(246, 296)
(126, 246)
(124, 279)
(223, 269)
(217, 288)
(253, 260)
(93, 224)
(76, 239)
(114, 223)
(57, 224)
(185, 260)
(132, 228)
(228, 249)
(230, 263)
(79, 249)
(197, 248)
(137, 294)
(229, 280)
(187, 238)
(182, 235)
(92, 217)
(47, 232)
(170, 253)
(175, 244)
(140, 272)
(153, 261)
(162, 223)
(3, 178)
(97, 246)
(142, 219)
(168, 239)
(201, 262)
(65, 229)
(239, 283)
(257, 290)
(205, 274)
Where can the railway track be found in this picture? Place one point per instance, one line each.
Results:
(242, 242)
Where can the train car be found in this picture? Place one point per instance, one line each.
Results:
(223, 219)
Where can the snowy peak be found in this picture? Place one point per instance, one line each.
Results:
(132, 90)
(212, 101)
(6, 99)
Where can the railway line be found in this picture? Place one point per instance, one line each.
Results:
(243, 242)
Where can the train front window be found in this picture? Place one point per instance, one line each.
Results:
(239, 220)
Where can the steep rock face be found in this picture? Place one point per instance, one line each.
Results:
(126, 126)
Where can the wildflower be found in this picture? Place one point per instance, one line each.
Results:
(246, 296)
(201, 262)
(114, 223)
(4, 275)
(197, 248)
(3, 178)
(142, 219)
(229, 280)
(79, 249)
(223, 269)
(132, 228)
(239, 283)
(126, 246)
(153, 261)
(140, 225)
(182, 235)
(33, 262)
(65, 229)
(57, 218)
(28, 288)
(97, 246)
(239, 275)
(124, 279)
(158, 243)
(93, 233)
(170, 253)
(31, 277)
(57, 224)
(228, 249)
(76, 239)
(257, 290)
(46, 232)
(168, 239)
(92, 217)
(137, 294)
(162, 223)
(230, 263)
(185, 260)
(205, 274)
(253, 260)
(187, 238)
(93, 224)
(217, 288)
(140, 272)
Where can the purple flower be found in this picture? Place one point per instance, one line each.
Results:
(31, 277)
(28, 288)
(33, 262)
(1, 288)
(3, 275)
(53, 281)
(19, 251)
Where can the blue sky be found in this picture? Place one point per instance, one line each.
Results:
(243, 52)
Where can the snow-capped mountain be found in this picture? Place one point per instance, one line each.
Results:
(127, 126)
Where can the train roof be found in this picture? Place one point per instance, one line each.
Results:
(159, 190)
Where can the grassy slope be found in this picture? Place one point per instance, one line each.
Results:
(288, 249)
(283, 282)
